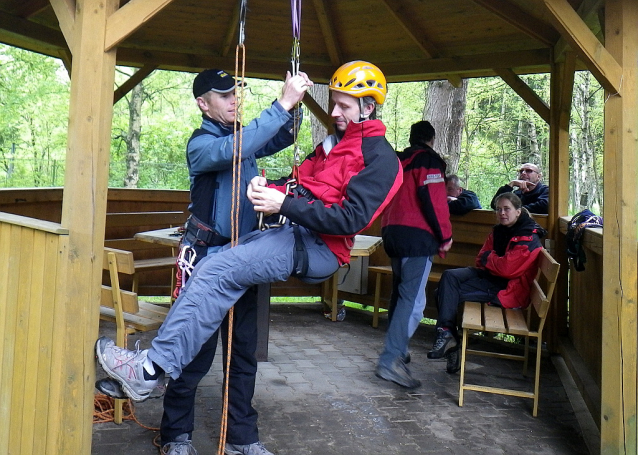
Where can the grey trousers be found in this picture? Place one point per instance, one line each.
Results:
(219, 280)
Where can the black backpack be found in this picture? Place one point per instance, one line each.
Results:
(575, 229)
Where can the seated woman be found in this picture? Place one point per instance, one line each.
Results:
(505, 269)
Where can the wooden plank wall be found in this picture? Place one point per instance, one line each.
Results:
(582, 350)
(32, 324)
(46, 204)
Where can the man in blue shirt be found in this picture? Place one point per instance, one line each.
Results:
(459, 200)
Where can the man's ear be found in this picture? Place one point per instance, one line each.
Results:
(201, 104)
(367, 110)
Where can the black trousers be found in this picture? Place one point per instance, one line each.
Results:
(467, 283)
(179, 400)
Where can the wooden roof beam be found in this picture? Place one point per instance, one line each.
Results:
(229, 36)
(415, 70)
(20, 32)
(521, 20)
(414, 31)
(132, 81)
(30, 8)
(589, 11)
(317, 110)
(65, 12)
(329, 33)
(525, 92)
(129, 18)
(483, 63)
(591, 51)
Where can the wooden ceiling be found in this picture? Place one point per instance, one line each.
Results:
(408, 39)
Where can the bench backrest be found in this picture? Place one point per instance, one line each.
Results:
(544, 283)
(128, 219)
(116, 262)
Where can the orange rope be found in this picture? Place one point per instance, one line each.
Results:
(237, 149)
(104, 412)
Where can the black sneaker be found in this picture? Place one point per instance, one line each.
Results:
(453, 360)
(445, 341)
(399, 374)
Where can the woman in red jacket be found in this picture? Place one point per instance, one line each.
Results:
(505, 269)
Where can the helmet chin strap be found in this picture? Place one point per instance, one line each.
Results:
(362, 117)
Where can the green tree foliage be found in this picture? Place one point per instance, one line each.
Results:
(34, 100)
(501, 131)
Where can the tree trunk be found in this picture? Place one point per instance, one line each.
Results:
(320, 94)
(445, 110)
(133, 137)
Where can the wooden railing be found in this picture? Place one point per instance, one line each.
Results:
(33, 265)
(33, 373)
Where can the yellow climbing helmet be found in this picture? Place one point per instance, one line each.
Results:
(359, 79)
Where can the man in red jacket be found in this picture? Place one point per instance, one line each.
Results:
(415, 226)
(341, 188)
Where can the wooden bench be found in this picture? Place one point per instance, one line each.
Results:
(120, 230)
(527, 323)
(123, 307)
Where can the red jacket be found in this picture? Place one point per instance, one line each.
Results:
(417, 221)
(518, 261)
(352, 184)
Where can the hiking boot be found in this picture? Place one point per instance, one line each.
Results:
(178, 448)
(398, 373)
(126, 367)
(453, 360)
(445, 341)
(256, 448)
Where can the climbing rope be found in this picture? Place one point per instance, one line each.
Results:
(295, 7)
(240, 75)
(104, 411)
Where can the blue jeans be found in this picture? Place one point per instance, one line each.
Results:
(467, 283)
(407, 302)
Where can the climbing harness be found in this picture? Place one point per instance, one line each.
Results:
(186, 262)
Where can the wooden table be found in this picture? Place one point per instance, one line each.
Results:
(167, 236)
(355, 276)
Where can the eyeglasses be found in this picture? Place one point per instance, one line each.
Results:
(526, 171)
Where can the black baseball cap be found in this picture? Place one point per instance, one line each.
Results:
(216, 80)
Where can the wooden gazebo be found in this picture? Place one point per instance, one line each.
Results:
(54, 269)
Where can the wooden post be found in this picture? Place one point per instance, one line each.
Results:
(618, 400)
(562, 85)
(83, 213)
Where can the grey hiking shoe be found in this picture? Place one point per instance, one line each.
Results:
(126, 367)
(178, 448)
(444, 342)
(398, 373)
(256, 448)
